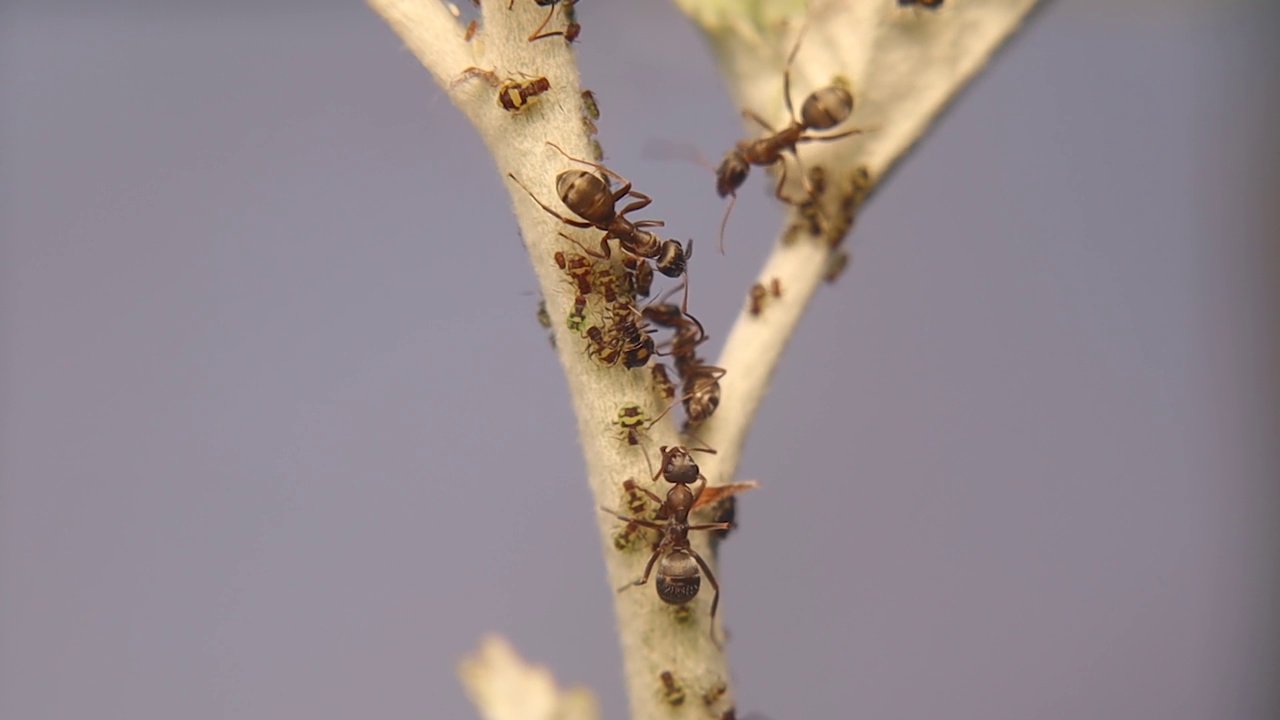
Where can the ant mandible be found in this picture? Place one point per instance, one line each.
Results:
(824, 109)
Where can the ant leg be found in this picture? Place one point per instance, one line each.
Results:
(639, 521)
(649, 568)
(558, 216)
(605, 251)
(536, 34)
(761, 121)
(782, 180)
(824, 138)
(711, 578)
(642, 201)
(473, 71)
(618, 194)
(710, 526)
(786, 72)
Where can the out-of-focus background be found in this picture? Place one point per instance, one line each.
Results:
(281, 437)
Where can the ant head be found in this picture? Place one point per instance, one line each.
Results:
(827, 107)
(671, 261)
(678, 466)
(731, 173)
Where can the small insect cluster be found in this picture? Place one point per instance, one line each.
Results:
(610, 281)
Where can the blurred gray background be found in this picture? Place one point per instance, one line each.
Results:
(280, 436)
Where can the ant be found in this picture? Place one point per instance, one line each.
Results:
(678, 563)
(513, 95)
(824, 109)
(589, 197)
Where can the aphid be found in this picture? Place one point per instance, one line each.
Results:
(640, 274)
(590, 105)
(588, 197)
(756, 299)
(672, 693)
(471, 30)
(824, 109)
(598, 348)
(678, 563)
(578, 315)
(579, 268)
(544, 317)
(513, 95)
(636, 500)
(836, 263)
(775, 287)
(632, 420)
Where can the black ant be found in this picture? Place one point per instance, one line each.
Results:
(823, 109)
(589, 197)
(678, 563)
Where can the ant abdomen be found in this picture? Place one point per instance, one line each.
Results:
(678, 578)
(827, 107)
(586, 195)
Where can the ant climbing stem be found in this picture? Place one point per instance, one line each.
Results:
(678, 563)
(590, 198)
(823, 109)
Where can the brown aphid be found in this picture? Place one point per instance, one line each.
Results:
(836, 263)
(471, 30)
(600, 349)
(775, 287)
(756, 298)
(637, 344)
(678, 563)
(590, 105)
(672, 693)
(640, 274)
(515, 95)
(588, 197)
(823, 109)
(580, 269)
